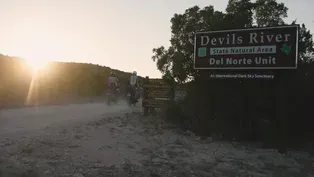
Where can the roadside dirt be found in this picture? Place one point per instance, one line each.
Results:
(128, 144)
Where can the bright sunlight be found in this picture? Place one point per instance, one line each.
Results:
(36, 65)
(39, 44)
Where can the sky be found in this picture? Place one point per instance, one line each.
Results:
(116, 33)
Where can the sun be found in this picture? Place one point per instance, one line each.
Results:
(36, 65)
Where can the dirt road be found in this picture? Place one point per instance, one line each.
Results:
(28, 119)
(96, 140)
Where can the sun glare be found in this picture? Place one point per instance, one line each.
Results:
(36, 65)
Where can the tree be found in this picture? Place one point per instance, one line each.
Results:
(306, 45)
(177, 60)
(240, 12)
(270, 13)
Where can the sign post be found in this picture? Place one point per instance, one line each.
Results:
(156, 94)
(251, 53)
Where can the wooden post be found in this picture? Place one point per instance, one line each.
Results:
(146, 82)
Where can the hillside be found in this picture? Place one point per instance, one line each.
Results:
(57, 82)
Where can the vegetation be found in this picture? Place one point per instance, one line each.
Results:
(277, 111)
(57, 82)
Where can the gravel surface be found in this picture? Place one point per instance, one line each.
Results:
(94, 140)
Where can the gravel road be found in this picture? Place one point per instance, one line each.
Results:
(94, 139)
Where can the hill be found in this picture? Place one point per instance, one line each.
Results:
(57, 82)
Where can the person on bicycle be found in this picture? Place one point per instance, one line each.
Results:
(113, 82)
(133, 83)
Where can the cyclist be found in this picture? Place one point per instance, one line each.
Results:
(133, 83)
(113, 82)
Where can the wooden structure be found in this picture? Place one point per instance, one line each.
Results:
(157, 94)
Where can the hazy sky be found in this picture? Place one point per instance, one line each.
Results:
(116, 33)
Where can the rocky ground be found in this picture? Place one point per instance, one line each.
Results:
(133, 145)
